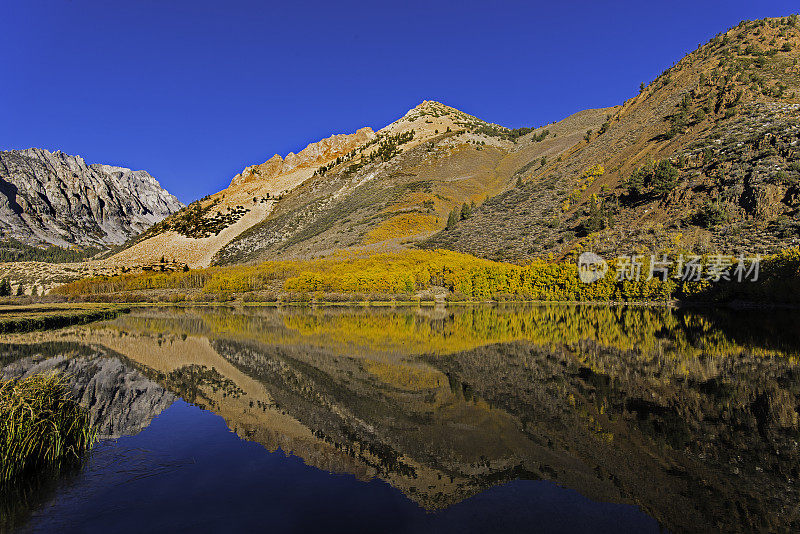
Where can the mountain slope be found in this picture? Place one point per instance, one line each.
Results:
(59, 199)
(704, 158)
(193, 235)
(384, 189)
(400, 188)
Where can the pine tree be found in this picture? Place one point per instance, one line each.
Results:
(452, 219)
(5, 287)
(665, 178)
(636, 183)
(466, 211)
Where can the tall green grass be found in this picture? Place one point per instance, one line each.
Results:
(40, 426)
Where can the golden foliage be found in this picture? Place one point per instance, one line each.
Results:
(383, 335)
(467, 277)
(403, 225)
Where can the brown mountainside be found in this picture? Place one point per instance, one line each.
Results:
(397, 194)
(704, 158)
(380, 190)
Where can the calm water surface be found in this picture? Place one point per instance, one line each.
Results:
(536, 419)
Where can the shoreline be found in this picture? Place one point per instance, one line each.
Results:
(672, 304)
(21, 318)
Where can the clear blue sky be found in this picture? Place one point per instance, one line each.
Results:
(194, 91)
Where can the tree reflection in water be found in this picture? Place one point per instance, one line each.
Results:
(691, 414)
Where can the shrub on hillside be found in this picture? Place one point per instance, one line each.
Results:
(710, 215)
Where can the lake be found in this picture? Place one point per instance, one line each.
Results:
(471, 419)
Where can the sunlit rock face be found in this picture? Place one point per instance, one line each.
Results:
(56, 198)
(314, 155)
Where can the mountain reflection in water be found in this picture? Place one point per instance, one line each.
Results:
(690, 415)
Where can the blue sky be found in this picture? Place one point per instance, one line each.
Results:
(194, 91)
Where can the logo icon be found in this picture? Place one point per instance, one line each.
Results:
(591, 267)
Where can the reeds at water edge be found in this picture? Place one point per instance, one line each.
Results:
(40, 425)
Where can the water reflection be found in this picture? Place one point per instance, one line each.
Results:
(691, 415)
(120, 400)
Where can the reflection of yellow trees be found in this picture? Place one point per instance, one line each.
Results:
(645, 331)
(405, 376)
(621, 328)
(210, 322)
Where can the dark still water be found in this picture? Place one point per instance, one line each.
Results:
(188, 471)
(537, 419)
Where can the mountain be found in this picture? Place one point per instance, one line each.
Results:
(59, 199)
(705, 158)
(193, 235)
(278, 172)
(380, 190)
(401, 189)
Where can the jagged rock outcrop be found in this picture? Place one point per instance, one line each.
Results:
(314, 155)
(120, 400)
(56, 198)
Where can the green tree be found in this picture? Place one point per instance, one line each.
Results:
(597, 219)
(5, 287)
(642, 87)
(452, 219)
(20, 290)
(664, 178)
(636, 183)
(466, 211)
(700, 116)
(712, 214)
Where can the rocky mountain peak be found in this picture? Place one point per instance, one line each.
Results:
(431, 105)
(311, 157)
(56, 198)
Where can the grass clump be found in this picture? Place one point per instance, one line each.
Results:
(40, 426)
